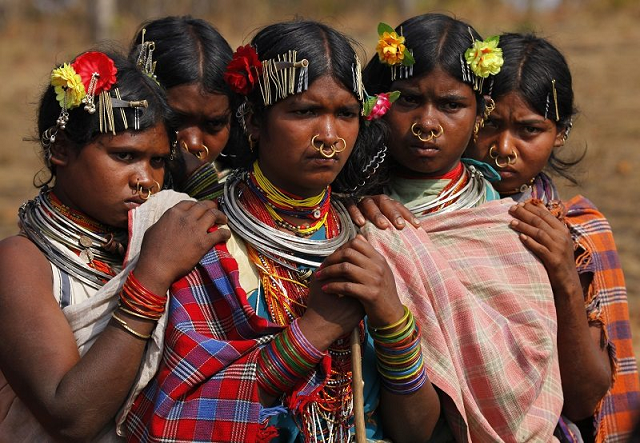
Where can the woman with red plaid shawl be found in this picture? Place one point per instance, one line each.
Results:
(70, 350)
(257, 343)
(532, 119)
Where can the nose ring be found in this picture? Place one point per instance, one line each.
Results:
(439, 133)
(335, 145)
(203, 154)
(495, 156)
(326, 151)
(184, 146)
(416, 130)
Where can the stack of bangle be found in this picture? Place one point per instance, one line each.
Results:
(285, 360)
(138, 301)
(399, 355)
(203, 183)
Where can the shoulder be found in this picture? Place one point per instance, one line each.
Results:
(22, 264)
(581, 212)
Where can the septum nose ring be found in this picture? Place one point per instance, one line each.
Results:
(140, 190)
(416, 130)
(328, 151)
(510, 159)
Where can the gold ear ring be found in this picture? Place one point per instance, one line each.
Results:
(252, 142)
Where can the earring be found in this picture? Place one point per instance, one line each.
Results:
(203, 154)
(252, 142)
(476, 129)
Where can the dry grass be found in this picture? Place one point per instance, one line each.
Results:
(600, 40)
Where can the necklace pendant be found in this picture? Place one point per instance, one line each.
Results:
(85, 241)
(86, 256)
(317, 213)
(523, 187)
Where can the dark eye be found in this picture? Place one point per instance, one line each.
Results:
(347, 114)
(215, 126)
(159, 162)
(407, 99)
(531, 130)
(451, 106)
(124, 156)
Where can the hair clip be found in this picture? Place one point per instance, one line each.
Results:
(356, 72)
(145, 61)
(555, 98)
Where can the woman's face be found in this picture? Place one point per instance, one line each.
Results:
(517, 141)
(327, 111)
(101, 179)
(203, 120)
(431, 123)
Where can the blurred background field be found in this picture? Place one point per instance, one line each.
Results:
(601, 39)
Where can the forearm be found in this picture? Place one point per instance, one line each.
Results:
(410, 418)
(584, 366)
(90, 393)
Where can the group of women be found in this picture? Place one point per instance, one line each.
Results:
(133, 311)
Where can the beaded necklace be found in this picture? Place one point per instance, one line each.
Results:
(466, 189)
(278, 202)
(47, 222)
(285, 286)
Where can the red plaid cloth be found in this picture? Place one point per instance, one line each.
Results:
(206, 388)
(487, 319)
(607, 305)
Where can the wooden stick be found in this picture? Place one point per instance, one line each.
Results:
(357, 386)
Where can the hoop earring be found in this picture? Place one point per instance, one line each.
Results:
(434, 135)
(203, 154)
(344, 145)
(252, 142)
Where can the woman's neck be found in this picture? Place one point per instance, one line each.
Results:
(454, 173)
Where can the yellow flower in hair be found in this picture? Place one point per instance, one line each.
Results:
(485, 57)
(391, 48)
(68, 86)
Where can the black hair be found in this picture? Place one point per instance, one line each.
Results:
(530, 65)
(83, 127)
(329, 52)
(190, 51)
(436, 41)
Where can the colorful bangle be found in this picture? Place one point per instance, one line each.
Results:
(137, 299)
(286, 359)
(392, 326)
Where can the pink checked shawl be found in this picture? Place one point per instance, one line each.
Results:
(488, 322)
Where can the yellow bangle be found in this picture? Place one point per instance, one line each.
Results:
(128, 328)
(396, 324)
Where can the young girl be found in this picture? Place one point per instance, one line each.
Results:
(257, 347)
(488, 323)
(188, 57)
(532, 120)
(71, 345)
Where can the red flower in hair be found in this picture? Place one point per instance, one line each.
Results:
(243, 70)
(90, 62)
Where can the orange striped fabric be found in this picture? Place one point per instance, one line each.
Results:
(606, 303)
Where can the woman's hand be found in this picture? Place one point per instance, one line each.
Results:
(356, 270)
(382, 211)
(549, 239)
(177, 241)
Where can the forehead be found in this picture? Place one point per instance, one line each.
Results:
(153, 139)
(515, 105)
(435, 80)
(193, 98)
(326, 88)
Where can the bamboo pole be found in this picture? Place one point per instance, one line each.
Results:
(357, 386)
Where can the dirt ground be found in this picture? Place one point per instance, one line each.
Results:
(600, 39)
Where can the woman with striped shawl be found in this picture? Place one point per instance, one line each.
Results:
(532, 119)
